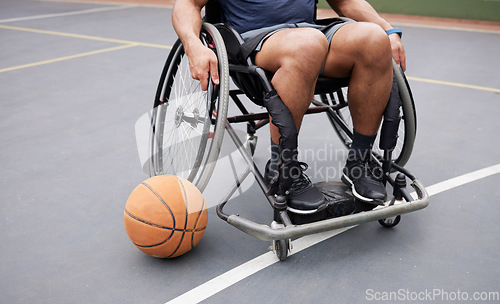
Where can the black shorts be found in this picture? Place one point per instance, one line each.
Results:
(329, 30)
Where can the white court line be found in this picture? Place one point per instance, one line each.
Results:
(245, 270)
(231, 277)
(87, 11)
(462, 180)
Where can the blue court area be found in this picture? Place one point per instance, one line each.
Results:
(75, 80)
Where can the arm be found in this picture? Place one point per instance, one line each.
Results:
(187, 22)
(360, 10)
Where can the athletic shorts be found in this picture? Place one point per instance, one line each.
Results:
(329, 30)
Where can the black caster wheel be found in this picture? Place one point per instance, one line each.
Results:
(390, 222)
(281, 249)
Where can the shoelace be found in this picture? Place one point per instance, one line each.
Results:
(371, 169)
(299, 183)
(302, 180)
(376, 170)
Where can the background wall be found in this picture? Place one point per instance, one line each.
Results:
(488, 10)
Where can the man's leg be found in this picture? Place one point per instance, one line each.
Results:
(296, 57)
(363, 52)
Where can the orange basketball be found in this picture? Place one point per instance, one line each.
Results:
(165, 216)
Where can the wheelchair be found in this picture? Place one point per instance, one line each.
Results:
(188, 126)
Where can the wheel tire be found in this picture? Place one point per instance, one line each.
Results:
(386, 224)
(281, 249)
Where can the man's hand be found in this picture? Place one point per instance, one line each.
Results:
(203, 64)
(398, 51)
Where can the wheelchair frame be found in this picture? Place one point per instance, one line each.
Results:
(282, 230)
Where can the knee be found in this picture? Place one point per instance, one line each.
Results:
(307, 51)
(311, 42)
(374, 47)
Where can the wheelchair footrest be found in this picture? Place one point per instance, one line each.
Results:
(340, 202)
(266, 233)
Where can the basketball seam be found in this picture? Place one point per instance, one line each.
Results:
(146, 222)
(196, 223)
(185, 219)
(161, 200)
(162, 227)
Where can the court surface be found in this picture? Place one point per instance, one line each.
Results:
(75, 79)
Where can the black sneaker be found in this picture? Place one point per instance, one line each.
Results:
(365, 179)
(302, 197)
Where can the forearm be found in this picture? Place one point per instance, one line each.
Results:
(187, 22)
(359, 10)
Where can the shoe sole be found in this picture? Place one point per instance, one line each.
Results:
(298, 211)
(368, 200)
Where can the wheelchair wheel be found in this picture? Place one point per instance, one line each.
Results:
(390, 223)
(188, 123)
(342, 122)
(281, 249)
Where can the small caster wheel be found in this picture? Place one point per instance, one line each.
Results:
(281, 249)
(390, 222)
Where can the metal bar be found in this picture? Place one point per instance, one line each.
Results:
(261, 123)
(239, 104)
(254, 70)
(403, 170)
(248, 117)
(266, 233)
(252, 166)
(320, 104)
(265, 115)
(227, 197)
(335, 119)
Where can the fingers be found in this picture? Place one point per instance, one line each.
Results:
(403, 61)
(203, 82)
(400, 59)
(398, 51)
(203, 64)
(214, 71)
(200, 71)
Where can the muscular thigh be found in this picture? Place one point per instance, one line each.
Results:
(299, 46)
(351, 44)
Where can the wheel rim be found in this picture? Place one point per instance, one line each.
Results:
(183, 123)
(184, 141)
